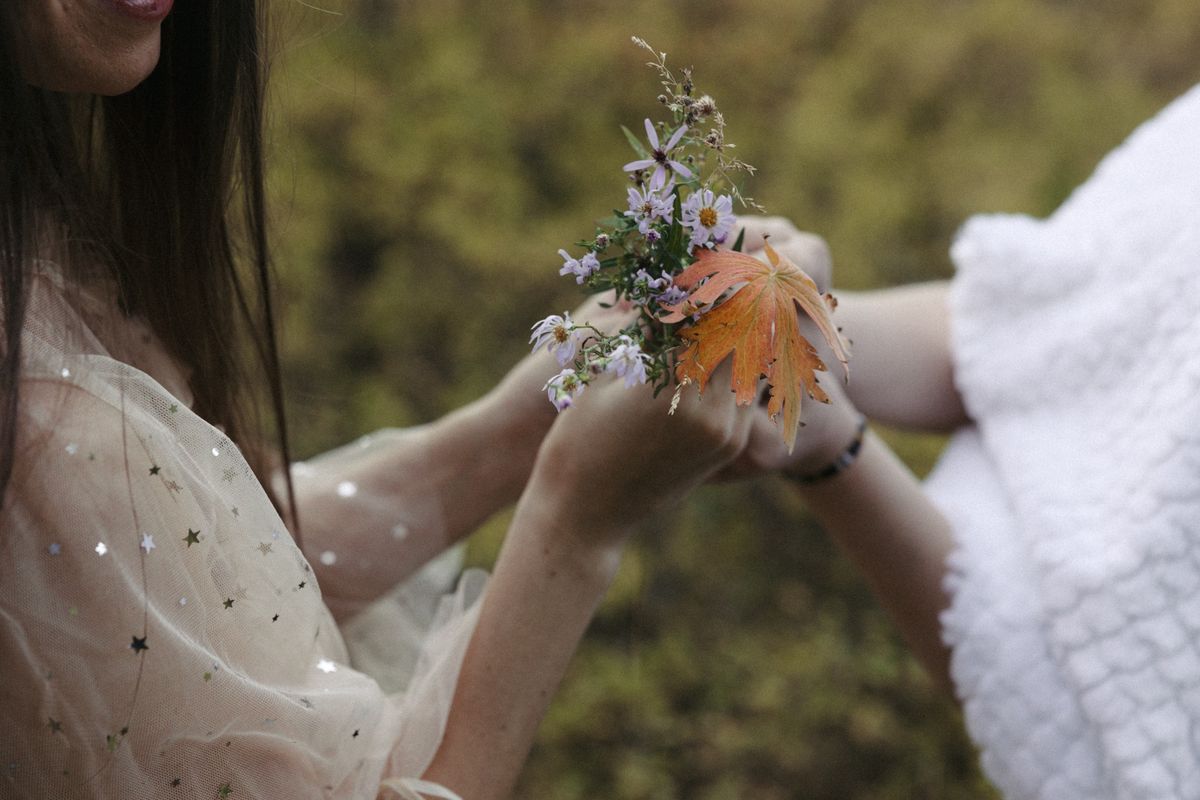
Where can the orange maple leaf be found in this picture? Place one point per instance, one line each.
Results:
(759, 325)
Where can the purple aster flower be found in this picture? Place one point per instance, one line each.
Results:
(709, 217)
(653, 236)
(645, 286)
(563, 388)
(628, 361)
(660, 157)
(579, 267)
(559, 335)
(671, 296)
(641, 277)
(587, 265)
(651, 203)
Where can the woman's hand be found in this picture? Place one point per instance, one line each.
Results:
(618, 455)
(827, 427)
(806, 250)
(520, 398)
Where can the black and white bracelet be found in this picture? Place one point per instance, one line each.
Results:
(838, 465)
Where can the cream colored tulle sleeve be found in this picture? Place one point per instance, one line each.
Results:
(161, 634)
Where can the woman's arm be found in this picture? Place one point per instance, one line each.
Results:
(903, 373)
(374, 512)
(606, 464)
(876, 512)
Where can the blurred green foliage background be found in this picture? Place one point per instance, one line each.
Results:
(429, 158)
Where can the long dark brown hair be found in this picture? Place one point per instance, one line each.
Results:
(163, 188)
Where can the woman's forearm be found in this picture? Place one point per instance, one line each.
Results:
(902, 372)
(373, 513)
(481, 456)
(540, 599)
(878, 514)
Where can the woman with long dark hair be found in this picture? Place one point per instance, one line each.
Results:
(161, 631)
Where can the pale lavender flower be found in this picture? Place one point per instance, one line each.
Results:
(628, 361)
(660, 157)
(580, 268)
(671, 296)
(708, 217)
(587, 265)
(563, 388)
(645, 286)
(559, 335)
(651, 203)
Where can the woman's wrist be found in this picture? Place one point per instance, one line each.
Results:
(519, 400)
(583, 534)
(844, 458)
(495, 438)
(586, 548)
(829, 430)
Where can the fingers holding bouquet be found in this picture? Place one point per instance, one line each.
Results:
(622, 454)
(807, 251)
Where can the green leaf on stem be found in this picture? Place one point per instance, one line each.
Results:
(634, 143)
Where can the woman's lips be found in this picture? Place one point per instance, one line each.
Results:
(149, 10)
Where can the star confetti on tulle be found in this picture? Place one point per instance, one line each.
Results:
(326, 666)
(228, 602)
(55, 725)
(101, 548)
(264, 548)
(139, 644)
(228, 474)
(175, 783)
(207, 677)
(224, 791)
(154, 469)
(174, 409)
(275, 618)
(54, 549)
(147, 542)
(193, 537)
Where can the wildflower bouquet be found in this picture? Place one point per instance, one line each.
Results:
(697, 301)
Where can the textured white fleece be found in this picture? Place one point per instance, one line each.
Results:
(1075, 619)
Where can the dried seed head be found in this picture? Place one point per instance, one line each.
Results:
(704, 106)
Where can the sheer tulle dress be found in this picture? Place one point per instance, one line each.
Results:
(161, 634)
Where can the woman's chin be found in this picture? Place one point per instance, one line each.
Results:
(108, 78)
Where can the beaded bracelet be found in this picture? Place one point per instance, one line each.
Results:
(838, 465)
